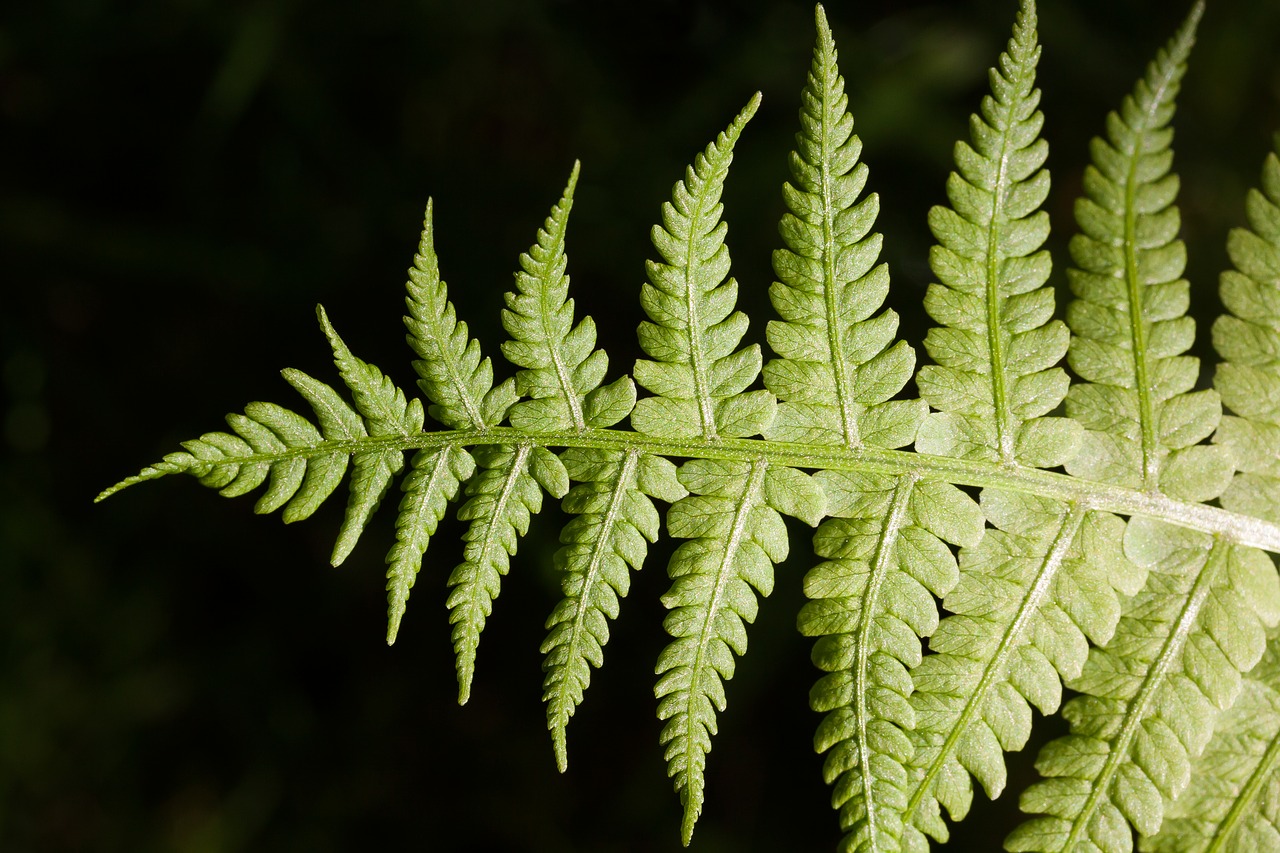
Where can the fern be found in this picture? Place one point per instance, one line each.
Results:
(1059, 510)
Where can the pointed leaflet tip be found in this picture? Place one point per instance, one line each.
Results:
(561, 748)
(691, 812)
(1185, 37)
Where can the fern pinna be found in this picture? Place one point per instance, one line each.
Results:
(1059, 510)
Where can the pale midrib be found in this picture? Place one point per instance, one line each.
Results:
(996, 669)
(1136, 709)
(416, 539)
(549, 336)
(443, 356)
(1239, 528)
(697, 357)
(871, 607)
(1137, 326)
(830, 288)
(995, 344)
(483, 561)
(1247, 798)
(724, 572)
(591, 575)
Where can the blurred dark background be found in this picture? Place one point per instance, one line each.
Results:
(181, 182)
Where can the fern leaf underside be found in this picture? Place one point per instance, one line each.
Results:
(1117, 580)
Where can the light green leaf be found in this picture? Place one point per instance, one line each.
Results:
(696, 374)
(995, 375)
(839, 365)
(452, 373)
(1129, 320)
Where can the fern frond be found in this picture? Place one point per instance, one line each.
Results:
(870, 603)
(698, 380)
(562, 370)
(736, 535)
(451, 372)
(614, 518)
(1133, 579)
(1233, 801)
(839, 366)
(1143, 422)
(1038, 588)
(1248, 339)
(385, 412)
(996, 377)
(1151, 695)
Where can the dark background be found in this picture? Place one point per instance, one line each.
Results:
(181, 182)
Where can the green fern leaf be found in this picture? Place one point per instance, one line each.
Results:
(736, 535)
(452, 373)
(698, 379)
(432, 482)
(1143, 422)
(614, 518)
(871, 602)
(1248, 339)
(385, 411)
(1041, 585)
(1133, 579)
(839, 365)
(303, 465)
(500, 499)
(1152, 695)
(562, 374)
(995, 379)
(1233, 801)
(562, 370)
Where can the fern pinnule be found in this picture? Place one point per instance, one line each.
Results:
(451, 371)
(1151, 696)
(838, 366)
(996, 378)
(1248, 339)
(614, 517)
(1143, 423)
(871, 601)
(697, 378)
(1233, 800)
(562, 370)
(1044, 582)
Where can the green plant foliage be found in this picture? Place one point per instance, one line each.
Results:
(1059, 508)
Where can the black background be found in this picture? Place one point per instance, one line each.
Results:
(180, 184)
